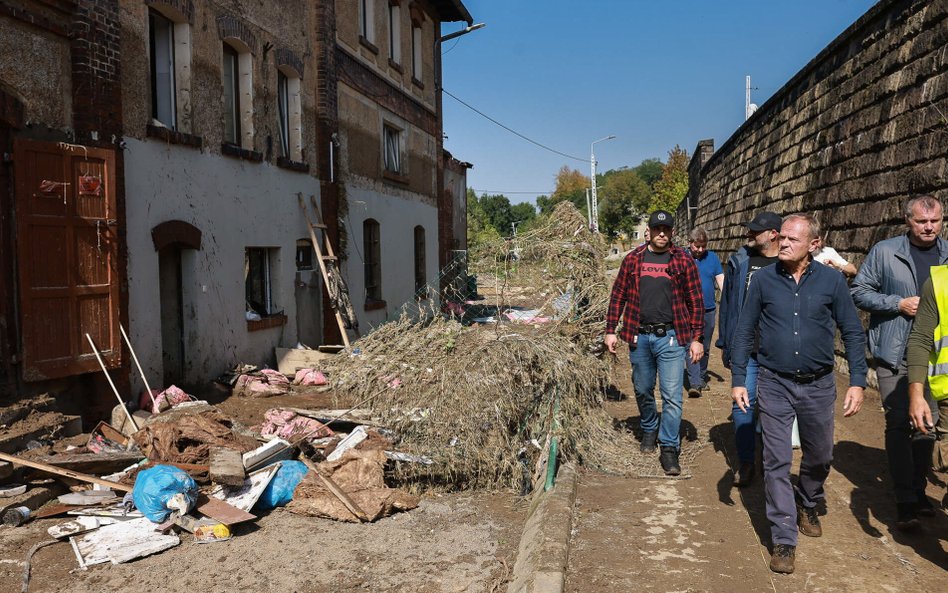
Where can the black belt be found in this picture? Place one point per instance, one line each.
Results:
(805, 377)
(657, 329)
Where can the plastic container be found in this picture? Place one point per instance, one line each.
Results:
(16, 516)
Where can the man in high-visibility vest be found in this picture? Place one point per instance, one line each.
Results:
(887, 286)
(928, 359)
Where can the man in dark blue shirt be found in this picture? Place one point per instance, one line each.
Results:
(796, 306)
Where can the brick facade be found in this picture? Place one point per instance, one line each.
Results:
(230, 27)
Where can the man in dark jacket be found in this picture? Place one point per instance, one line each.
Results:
(760, 251)
(657, 295)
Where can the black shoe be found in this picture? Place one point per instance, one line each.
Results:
(924, 507)
(907, 519)
(744, 475)
(649, 442)
(695, 391)
(669, 461)
(706, 386)
(781, 559)
(808, 521)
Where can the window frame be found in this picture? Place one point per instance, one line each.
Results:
(231, 57)
(283, 112)
(394, 32)
(372, 260)
(266, 258)
(417, 42)
(166, 93)
(392, 133)
(367, 20)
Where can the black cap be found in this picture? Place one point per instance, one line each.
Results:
(660, 218)
(765, 221)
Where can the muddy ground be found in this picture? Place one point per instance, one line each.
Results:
(452, 543)
(702, 535)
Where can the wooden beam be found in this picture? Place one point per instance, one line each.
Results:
(52, 469)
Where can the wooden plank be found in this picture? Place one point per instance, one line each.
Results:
(51, 510)
(92, 463)
(273, 450)
(245, 496)
(121, 542)
(227, 466)
(290, 360)
(223, 512)
(52, 469)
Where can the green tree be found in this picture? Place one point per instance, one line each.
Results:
(625, 198)
(523, 214)
(480, 231)
(497, 209)
(670, 190)
(650, 170)
(545, 204)
(570, 185)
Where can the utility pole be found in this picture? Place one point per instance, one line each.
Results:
(595, 202)
(749, 108)
(589, 212)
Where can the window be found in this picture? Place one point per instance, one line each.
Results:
(392, 149)
(161, 44)
(416, 68)
(231, 96)
(237, 78)
(260, 265)
(304, 255)
(635, 234)
(367, 20)
(372, 254)
(394, 32)
(289, 112)
(420, 277)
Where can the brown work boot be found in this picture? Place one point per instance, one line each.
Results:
(808, 521)
(781, 559)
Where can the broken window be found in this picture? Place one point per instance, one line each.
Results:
(260, 267)
(371, 248)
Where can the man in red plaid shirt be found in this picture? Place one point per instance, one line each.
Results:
(657, 294)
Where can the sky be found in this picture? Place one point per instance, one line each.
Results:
(564, 73)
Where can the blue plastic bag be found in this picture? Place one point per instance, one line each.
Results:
(156, 486)
(279, 491)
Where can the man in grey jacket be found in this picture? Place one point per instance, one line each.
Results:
(887, 286)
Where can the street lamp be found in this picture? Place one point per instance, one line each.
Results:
(595, 202)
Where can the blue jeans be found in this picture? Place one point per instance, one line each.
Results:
(744, 427)
(698, 370)
(651, 355)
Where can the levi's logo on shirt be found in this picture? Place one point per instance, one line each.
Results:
(655, 270)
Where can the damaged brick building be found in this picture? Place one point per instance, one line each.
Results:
(154, 152)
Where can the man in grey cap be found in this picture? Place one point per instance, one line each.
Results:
(759, 252)
(657, 296)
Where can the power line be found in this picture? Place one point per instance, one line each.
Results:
(516, 133)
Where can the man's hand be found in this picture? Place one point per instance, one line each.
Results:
(697, 351)
(739, 395)
(853, 401)
(919, 412)
(611, 340)
(909, 306)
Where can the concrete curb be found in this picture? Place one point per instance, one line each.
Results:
(544, 544)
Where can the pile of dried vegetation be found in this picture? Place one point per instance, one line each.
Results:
(486, 402)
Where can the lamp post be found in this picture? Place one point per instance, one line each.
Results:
(595, 202)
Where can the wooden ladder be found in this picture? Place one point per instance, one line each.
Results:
(326, 259)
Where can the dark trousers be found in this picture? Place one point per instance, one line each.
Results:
(697, 371)
(778, 401)
(909, 460)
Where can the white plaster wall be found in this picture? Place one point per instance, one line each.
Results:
(397, 218)
(236, 204)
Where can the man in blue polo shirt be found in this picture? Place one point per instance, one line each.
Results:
(795, 307)
(712, 276)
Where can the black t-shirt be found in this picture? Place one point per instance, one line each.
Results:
(655, 288)
(923, 258)
(756, 262)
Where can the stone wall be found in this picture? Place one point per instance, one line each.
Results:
(862, 127)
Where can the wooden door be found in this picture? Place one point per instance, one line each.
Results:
(67, 242)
